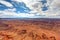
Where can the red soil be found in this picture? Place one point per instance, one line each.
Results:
(29, 30)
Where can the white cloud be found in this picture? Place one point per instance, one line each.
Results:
(52, 12)
(6, 3)
(12, 14)
(12, 9)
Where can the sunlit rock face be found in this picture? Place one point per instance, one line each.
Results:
(29, 8)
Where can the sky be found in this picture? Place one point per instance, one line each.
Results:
(29, 9)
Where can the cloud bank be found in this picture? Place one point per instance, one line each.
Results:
(35, 6)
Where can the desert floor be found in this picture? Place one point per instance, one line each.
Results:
(29, 30)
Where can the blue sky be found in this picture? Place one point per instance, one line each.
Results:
(29, 9)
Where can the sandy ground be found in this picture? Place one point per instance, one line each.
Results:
(29, 30)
